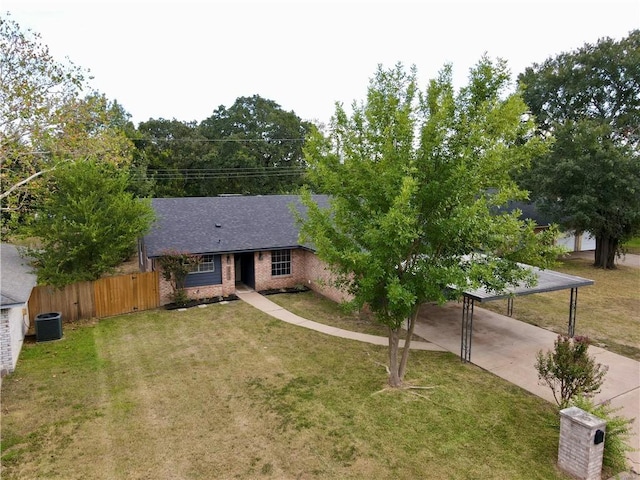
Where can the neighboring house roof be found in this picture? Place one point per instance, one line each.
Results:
(225, 224)
(529, 212)
(16, 279)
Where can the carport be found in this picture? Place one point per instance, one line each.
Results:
(548, 281)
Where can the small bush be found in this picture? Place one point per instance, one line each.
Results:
(616, 435)
(175, 266)
(180, 297)
(569, 370)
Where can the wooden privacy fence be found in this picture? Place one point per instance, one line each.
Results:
(101, 298)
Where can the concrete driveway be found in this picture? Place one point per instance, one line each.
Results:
(508, 347)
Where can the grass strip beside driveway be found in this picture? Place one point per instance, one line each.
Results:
(228, 392)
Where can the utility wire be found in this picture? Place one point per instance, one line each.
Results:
(227, 169)
(204, 140)
(214, 177)
(222, 173)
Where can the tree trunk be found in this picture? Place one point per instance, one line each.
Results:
(394, 372)
(606, 249)
(407, 344)
(397, 368)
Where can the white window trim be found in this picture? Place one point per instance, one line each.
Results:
(205, 266)
(281, 264)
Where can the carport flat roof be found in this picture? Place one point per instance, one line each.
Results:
(548, 281)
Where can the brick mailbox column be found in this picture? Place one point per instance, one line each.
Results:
(581, 443)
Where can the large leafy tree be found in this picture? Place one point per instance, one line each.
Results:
(175, 155)
(252, 147)
(589, 99)
(88, 225)
(46, 118)
(258, 147)
(417, 182)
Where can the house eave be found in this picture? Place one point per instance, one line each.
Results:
(251, 250)
(9, 306)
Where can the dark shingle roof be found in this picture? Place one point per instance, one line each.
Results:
(529, 211)
(246, 223)
(16, 277)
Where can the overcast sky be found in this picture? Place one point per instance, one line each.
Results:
(183, 59)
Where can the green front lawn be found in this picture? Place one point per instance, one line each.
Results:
(228, 392)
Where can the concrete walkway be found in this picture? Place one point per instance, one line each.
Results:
(501, 345)
(263, 303)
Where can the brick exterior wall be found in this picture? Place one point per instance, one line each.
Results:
(320, 279)
(306, 269)
(264, 279)
(227, 287)
(6, 356)
(577, 452)
(14, 323)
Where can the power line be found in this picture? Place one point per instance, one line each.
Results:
(218, 177)
(219, 174)
(227, 169)
(205, 140)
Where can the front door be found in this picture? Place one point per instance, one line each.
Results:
(246, 271)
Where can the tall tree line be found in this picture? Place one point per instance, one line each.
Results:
(588, 101)
(252, 147)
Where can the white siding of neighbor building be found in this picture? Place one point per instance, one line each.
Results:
(583, 243)
(17, 281)
(14, 323)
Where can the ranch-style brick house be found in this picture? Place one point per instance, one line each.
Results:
(245, 241)
(242, 240)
